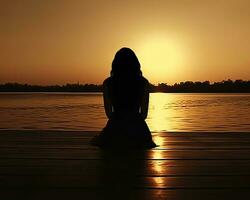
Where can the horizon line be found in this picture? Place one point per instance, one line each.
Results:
(84, 83)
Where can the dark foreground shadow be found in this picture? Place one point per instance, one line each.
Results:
(121, 174)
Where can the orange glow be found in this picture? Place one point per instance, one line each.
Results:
(163, 56)
(56, 42)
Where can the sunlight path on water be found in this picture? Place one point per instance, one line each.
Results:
(161, 115)
(84, 111)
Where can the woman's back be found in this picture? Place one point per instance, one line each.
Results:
(126, 96)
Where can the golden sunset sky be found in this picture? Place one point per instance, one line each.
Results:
(66, 41)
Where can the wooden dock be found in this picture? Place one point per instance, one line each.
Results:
(62, 165)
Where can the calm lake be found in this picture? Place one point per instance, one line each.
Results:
(84, 111)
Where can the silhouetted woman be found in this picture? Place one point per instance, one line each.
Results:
(126, 96)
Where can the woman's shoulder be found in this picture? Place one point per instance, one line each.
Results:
(107, 81)
(144, 80)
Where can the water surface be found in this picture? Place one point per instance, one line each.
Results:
(84, 111)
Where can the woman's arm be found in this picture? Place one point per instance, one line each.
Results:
(106, 99)
(145, 100)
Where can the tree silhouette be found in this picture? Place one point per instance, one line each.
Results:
(225, 86)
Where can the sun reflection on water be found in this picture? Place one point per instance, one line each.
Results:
(157, 112)
(162, 116)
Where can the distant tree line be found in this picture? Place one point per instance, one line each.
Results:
(225, 86)
(17, 87)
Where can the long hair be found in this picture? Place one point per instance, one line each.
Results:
(125, 64)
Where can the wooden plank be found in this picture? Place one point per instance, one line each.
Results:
(99, 154)
(90, 147)
(168, 163)
(160, 148)
(61, 133)
(84, 134)
(123, 193)
(81, 146)
(150, 168)
(86, 140)
(104, 180)
(158, 139)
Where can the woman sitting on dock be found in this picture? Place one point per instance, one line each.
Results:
(126, 97)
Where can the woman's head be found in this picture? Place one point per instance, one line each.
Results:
(125, 64)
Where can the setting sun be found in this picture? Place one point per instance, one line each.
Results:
(162, 56)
